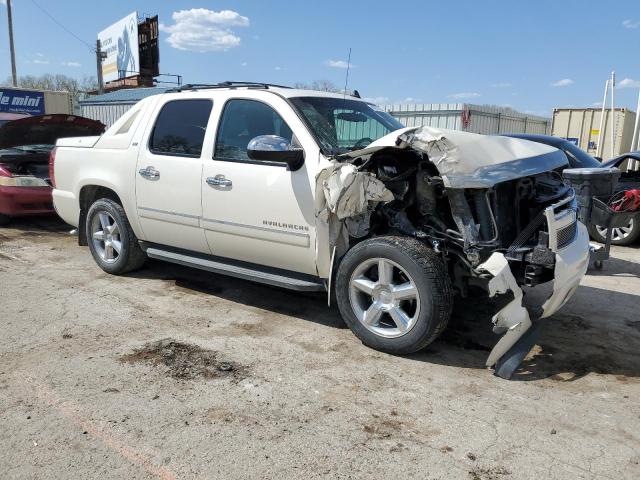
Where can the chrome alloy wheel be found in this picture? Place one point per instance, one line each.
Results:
(618, 233)
(106, 237)
(384, 298)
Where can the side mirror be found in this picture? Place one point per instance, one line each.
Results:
(275, 149)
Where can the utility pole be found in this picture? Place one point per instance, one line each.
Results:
(613, 114)
(603, 124)
(14, 76)
(100, 55)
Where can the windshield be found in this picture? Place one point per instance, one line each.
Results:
(343, 125)
(581, 159)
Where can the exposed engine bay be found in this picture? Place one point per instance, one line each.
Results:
(495, 227)
(469, 224)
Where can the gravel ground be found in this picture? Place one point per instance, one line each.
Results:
(175, 373)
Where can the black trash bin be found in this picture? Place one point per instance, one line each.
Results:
(595, 186)
(588, 183)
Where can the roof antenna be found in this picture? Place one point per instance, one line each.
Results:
(346, 80)
(344, 94)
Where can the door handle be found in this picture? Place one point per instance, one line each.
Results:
(149, 173)
(219, 181)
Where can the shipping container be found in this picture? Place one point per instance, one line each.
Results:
(484, 119)
(58, 102)
(581, 126)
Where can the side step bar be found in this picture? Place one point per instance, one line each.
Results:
(244, 272)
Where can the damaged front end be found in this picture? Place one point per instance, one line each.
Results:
(495, 208)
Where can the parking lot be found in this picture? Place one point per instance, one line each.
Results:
(176, 373)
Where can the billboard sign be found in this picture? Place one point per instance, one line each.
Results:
(120, 44)
(22, 101)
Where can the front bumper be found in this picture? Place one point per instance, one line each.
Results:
(19, 201)
(514, 320)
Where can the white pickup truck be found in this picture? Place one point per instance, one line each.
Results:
(316, 191)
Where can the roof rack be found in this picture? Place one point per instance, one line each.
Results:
(227, 84)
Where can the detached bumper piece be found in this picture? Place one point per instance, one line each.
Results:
(569, 241)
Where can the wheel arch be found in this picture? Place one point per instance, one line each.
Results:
(87, 195)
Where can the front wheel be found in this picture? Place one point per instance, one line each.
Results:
(112, 242)
(625, 235)
(394, 293)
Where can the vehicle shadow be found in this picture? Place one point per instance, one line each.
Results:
(305, 306)
(616, 266)
(596, 332)
(35, 226)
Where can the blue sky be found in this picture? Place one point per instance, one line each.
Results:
(532, 56)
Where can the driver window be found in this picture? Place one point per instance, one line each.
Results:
(356, 130)
(243, 120)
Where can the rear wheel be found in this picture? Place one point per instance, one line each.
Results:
(111, 240)
(394, 293)
(4, 219)
(625, 235)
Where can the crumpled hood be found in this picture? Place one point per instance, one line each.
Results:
(470, 160)
(46, 129)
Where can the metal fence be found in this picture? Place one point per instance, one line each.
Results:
(483, 119)
(107, 113)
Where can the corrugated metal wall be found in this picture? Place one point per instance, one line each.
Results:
(481, 118)
(107, 113)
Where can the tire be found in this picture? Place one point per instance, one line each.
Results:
(407, 323)
(619, 236)
(104, 242)
(4, 220)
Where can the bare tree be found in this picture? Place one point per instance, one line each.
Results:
(58, 82)
(320, 85)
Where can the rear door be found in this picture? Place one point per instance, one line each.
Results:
(169, 172)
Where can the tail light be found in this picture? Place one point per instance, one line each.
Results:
(52, 161)
(4, 172)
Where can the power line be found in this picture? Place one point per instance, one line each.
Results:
(63, 27)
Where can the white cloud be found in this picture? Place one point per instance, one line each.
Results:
(377, 100)
(631, 24)
(71, 64)
(461, 95)
(244, 64)
(338, 64)
(39, 61)
(596, 104)
(502, 85)
(3, 2)
(203, 30)
(628, 83)
(565, 82)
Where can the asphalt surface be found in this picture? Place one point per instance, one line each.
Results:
(175, 373)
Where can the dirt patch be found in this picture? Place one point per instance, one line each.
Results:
(185, 361)
(493, 473)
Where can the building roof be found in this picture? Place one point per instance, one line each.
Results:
(127, 95)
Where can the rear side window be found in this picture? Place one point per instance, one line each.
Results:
(243, 120)
(126, 126)
(180, 128)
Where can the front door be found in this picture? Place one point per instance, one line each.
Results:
(253, 211)
(168, 175)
